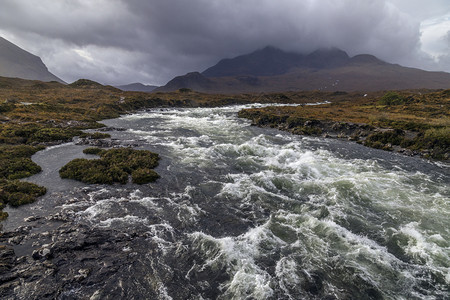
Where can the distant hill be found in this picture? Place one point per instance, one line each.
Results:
(137, 87)
(274, 70)
(16, 62)
(88, 84)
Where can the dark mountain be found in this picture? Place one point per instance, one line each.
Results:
(193, 80)
(16, 62)
(266, 62)
(271, 61)
(274, 70)
(137, 87)
(326, 58)
(366, 59)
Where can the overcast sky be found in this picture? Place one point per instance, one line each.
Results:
(151, 41)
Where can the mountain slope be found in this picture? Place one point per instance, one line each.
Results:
(266, 62)
(16, 62)
(274, 70)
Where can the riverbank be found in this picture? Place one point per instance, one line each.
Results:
(34, 115)
(405, 122)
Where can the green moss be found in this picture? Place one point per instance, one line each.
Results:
(114, 166)
(18, 193)
(96, 135)
(293, 121)
(15, 161)
(307, 130)
(95, 151)
(144, 175)
(3, 215)
(130, 159)
(436, 141)
(5, 107)
(54, 134)
(394, 137)
(88, 171)
(32, 133)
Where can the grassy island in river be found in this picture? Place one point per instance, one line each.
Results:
(113, 166)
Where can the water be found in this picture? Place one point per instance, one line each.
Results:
(248, 213)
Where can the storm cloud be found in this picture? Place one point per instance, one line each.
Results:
(117, 42)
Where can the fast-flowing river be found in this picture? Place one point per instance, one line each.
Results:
(242, 212)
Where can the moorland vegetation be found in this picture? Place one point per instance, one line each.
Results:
(411, 122)
(113, 166)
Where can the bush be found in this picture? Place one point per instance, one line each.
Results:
(54, 134)
(130, 159)
(18, 193)
(394, 137)
(392, 98)
(15, 161)
(95, 151)
(3, 215)
(437, 140)
(114, 165)
(5, 107)
(144, 175)
(17, 199)
(87, 171)
(307, 130)
(293, 121)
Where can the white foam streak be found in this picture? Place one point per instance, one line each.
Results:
(239, 255)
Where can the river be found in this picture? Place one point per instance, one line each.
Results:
(242, 212)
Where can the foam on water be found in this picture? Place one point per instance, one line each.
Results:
(238, 256)
(336, 225)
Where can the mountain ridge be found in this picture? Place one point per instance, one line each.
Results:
(330, 69)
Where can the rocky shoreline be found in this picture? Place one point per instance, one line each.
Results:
(365, 134)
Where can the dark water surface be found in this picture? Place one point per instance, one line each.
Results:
(248, 213)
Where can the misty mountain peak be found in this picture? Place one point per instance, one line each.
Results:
(326, 58)
(268, 61)
(271, 61)
(366, 59)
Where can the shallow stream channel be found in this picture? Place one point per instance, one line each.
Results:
(239, 212)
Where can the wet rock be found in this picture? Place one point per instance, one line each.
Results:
(45, 252)
(111, 129)
(16, 239)
(7, 258)
(32, 218)
(105, 143)
(57, 217)
(82, 274)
